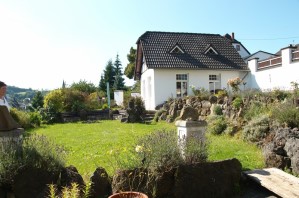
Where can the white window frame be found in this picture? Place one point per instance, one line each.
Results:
(182, 80)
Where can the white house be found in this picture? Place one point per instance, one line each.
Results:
(275, 72)
(261, 55)
(168, 63)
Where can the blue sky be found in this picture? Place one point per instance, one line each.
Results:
(43, 42)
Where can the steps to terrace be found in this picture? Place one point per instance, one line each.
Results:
(276, 180)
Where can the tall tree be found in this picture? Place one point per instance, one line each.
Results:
(119, 81)
(37, 100)
(129, 70)
(108, 76)
(84, 86)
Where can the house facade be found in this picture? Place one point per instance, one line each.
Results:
(276, 72)
(168, 64)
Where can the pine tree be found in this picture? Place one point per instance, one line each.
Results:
(119, 82)
(38, 100)
(107, 76)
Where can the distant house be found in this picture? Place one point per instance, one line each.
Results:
(275, 72)
(168, 63)
(261, 55)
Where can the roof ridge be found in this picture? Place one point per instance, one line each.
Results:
(168, 32)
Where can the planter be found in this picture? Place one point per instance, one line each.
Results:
(130, 194)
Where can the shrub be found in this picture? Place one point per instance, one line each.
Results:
(153, 155)
(257, 128)
(34, 151)
(69, 192)
(22, 117)
(216, 124)
(218, 110)
(255, 109)
(286, 113)
(237, 102)
(135, 109)
(280, 95)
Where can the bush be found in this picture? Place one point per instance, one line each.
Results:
(255, 109)
(286, 113)
(218, 110)
(135, 109)
(237, 103)
(216, 124)
(22, 117)
(257, 128)
(34, 151)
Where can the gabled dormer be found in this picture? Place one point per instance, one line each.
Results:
(177, 49)
(210, 50)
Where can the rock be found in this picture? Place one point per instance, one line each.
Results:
(33, 182)
(101, 184)
(189, 113)
(70, 175)
(205, 180)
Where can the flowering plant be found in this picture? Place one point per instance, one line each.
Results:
(234, 83)
(151, 156)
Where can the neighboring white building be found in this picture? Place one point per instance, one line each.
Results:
(275, 72)
(261, 55)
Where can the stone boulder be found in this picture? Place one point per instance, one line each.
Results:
(33, 182)
(101, 184)
(212, 179)
(189, 113)
(71, 175)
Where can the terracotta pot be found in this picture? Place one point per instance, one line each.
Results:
(130, 194)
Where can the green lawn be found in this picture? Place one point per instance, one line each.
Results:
(88, 144)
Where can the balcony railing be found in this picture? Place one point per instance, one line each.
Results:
(295, 55)
(269, 62)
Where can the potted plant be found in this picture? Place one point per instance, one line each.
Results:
(129, 194)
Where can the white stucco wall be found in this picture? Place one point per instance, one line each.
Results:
(279, 77)
(163, 83)
(243, 53)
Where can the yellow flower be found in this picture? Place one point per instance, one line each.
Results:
(139, 149)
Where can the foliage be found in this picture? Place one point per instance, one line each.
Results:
(216, 124)
(37, 100)
(129, 70)
(136, 87)
(26, 119)
(54, 100)
(256, 109)
(257, 128)
(93, 101)
(34, 151)
(280, 95)
(234, 83)
(218, 110)
(84, 86)
(286, 113)
(108, 76)
(221, 94)
(295, 87)
(69, 192)
(73, 100)
(237, 103)
(135, 109)
(201, 92)
(154, 154)
(119, 81)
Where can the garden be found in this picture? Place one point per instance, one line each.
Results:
(241, 124)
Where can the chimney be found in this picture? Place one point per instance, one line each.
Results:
(233, 36)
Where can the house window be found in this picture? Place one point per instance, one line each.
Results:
(238, 47)
(181, 85)
(214, 82)
(211, 51)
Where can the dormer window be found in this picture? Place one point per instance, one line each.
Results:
(238, 47)
(210, 51)
(177, 50)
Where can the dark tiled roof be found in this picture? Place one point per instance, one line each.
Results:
(156, 47)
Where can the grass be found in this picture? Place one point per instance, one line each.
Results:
(88, 144)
